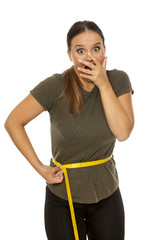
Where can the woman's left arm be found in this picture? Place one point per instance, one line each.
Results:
(118, 110)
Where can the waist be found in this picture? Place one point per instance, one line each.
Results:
(81, 164)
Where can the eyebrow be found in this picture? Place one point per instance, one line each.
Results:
(81, 45)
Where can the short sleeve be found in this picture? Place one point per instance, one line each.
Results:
(46, 92)
(123, 83)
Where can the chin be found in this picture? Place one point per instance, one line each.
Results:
(88, 80)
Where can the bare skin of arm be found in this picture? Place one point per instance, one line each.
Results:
(119, 112)
(15, 124)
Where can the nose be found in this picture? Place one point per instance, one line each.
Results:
(87, 57)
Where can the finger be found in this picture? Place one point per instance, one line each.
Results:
(86, 76)
(58, 179)
(59, 173)
(56, 169)
(83, 70)
(87, 63)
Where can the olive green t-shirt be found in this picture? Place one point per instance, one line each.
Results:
(82, 138)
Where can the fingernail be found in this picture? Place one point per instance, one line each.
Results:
(79, 60)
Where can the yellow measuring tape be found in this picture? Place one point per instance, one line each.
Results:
(64, 169)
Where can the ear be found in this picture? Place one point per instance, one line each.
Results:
(69, 55)
(104, 50)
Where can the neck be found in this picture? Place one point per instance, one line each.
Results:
(88, 87)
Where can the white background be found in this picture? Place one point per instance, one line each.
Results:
(33, 47)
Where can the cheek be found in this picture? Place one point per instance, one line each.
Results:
(100, 57)
(76, 63)
(75, 59)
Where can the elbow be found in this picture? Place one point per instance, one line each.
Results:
(14, 121)
(123, 136)
(10, 124)
(7, 125)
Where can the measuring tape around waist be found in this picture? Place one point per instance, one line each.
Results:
(64, 169)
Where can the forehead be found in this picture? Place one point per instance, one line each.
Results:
(87, 38)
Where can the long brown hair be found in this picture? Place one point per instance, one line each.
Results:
(73, 88)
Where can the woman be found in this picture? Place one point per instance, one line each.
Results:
(90, 107)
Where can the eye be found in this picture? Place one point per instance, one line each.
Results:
(96, 49)
(80, 50)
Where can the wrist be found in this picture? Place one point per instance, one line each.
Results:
(105, 86)
(41, 169)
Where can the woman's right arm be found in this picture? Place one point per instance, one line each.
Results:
(26, 111)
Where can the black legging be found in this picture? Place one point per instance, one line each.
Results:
(99, 221)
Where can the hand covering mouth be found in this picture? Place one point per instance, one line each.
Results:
(86, 67)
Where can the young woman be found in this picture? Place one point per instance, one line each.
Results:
(90, 107)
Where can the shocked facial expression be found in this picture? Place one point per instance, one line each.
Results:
(81, 44)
